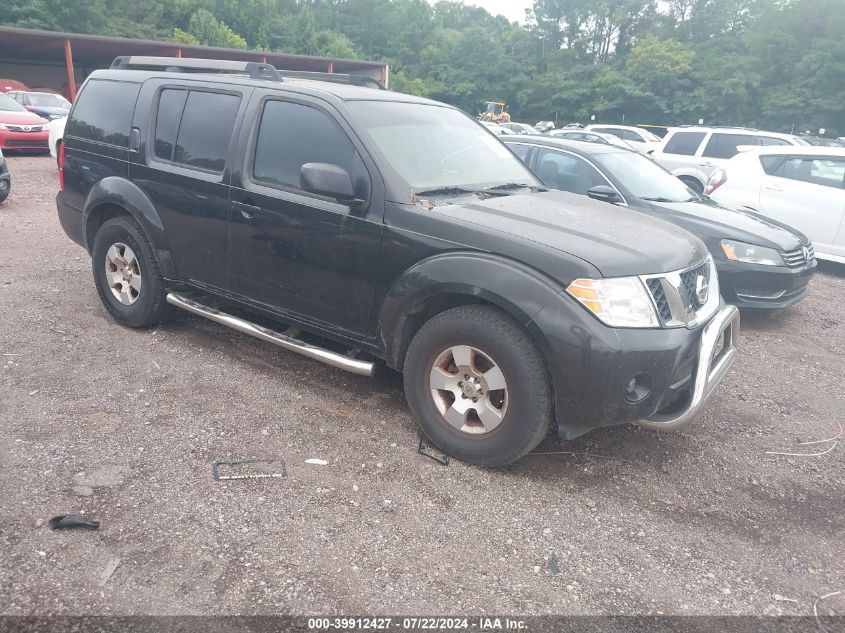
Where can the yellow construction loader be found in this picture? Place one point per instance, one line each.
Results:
(495, 111)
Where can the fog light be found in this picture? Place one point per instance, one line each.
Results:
(638, 388)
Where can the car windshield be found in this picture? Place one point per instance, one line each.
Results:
(46, 99)
(435, 147)
(650, 136)
(7, 104)
(643, 178)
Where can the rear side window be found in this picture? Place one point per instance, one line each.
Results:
(771, 164)
(684, 143)
(828, 172)
(103, 112)
(292, 134)
(771, 140)
(628, 135)
(171, 103)
(725, 145)
(205, 130)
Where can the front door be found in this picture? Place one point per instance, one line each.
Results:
(300, 253)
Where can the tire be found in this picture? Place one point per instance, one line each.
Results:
(142, 293)
(5, 189)
(693, 184)
(495, 340)
(58, 153)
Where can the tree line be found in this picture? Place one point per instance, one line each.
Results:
(775, 64)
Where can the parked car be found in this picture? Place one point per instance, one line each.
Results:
(5, 178)
(802, 186)
(641, 140)
(544, 126)
(762, 263)
(395, 228)
(55, 135)
(692, 153)
(818, 141)
(496, 128)
(20, 128)
(591, 137)
(520, 128)
(47, 105)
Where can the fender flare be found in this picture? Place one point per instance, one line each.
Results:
(517, 289)
(120, 192)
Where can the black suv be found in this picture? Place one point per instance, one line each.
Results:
(381, 226)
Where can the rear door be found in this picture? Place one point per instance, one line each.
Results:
(807, 193)
(183, 164)
(297, 252)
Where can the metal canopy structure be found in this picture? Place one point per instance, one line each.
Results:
(28, 49)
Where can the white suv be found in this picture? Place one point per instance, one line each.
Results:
(692, 153)
(803, 187)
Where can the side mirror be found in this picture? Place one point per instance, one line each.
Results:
(604, 194)
(328, 180)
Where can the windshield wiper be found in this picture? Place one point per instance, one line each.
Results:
(506, 186)
(442, 191)
(662, 200)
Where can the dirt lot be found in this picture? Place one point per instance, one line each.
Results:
(124, 425)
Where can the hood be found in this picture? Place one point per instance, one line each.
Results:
(21, 118)
(614, 240)
(49, 110)
(713, 222)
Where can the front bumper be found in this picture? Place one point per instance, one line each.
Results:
(23, 140)
(756, 287)
(592, 365)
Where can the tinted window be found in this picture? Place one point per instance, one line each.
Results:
(724, 145)
(103, 112)
(567, 172)
(818, 171)
(206, 128)
(291, 135)
(170, 106)
(521, 150)
(628, 135)
(771, 140)
(684, 143)
(772, 163)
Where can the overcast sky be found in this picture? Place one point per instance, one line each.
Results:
(513, 10)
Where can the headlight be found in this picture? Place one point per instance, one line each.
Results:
(751, 254)
(617, 302)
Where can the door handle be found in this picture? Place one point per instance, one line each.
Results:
(773, 187)
(248, 211)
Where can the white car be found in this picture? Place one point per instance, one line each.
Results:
(56, 128)
(497, 129)
(692, 153)
(520, 128)
(803, 187)
(641, 140)
(587, 136)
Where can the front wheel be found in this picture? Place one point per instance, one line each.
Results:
(478, 386)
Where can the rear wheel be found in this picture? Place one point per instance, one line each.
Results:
(477, 386)
(5, 188)
(126, 274)
(693, 184)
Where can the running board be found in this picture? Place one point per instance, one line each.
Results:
(362, 368)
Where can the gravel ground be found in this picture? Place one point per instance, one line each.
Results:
(124, 425)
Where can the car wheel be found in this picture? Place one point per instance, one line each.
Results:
(127, 275)
(693, 184)
(5, 188)
(478, 386)
(59, 153)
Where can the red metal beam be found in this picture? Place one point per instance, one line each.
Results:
(71, 79)
(264, 59)
(179, 53)
(331, 67)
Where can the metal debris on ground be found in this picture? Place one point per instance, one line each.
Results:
(835, 439)
(316, 462)
(68, 521)
(273, 468)
(432, 452)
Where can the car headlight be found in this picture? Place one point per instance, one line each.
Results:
(617, 302)
(751, 254)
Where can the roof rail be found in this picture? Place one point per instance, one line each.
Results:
(339, 78)
(255, 70)
(722, 127)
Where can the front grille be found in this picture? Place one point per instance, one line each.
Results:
(797, 257)
(10, 144)
(688, 278)
(760, 294)
(20, 128)
(656, 290)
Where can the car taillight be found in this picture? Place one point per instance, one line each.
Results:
(62, 167)
(716, 180)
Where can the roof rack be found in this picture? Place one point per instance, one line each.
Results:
(723, 127)
(255, 70)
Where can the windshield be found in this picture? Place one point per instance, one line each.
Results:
(643, 178)
(7, 104)
(432, 147)
(45, 99)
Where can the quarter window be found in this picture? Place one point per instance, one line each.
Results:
(567, 173)
(206, 129)
(684, 143)
(103, 112)
(725, 145)
(771, 140)
(521, 149)
(291, 135)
